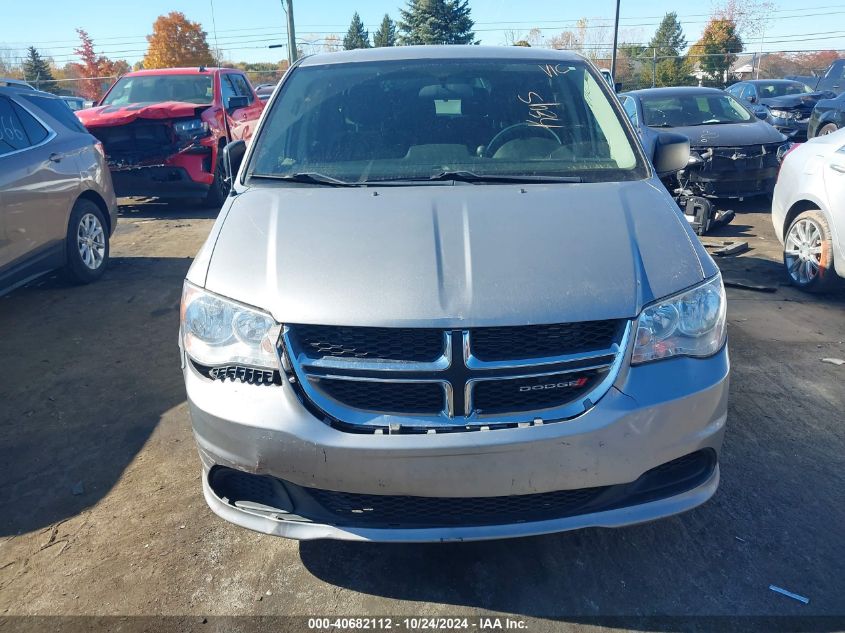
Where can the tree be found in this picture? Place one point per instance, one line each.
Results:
(716, 51)
(436, 22)
(36, 69)
(666, 46)
(332, 43)
(356, 36)
(89, 86)
(386, 34)
(176, 41)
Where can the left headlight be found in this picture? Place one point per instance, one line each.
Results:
(217, 331)
(688, 324)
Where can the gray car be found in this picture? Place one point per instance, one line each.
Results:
(449, 299)
(57, 204)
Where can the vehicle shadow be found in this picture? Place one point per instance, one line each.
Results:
(164, 209)
(92, 369)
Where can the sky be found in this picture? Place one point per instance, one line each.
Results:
(245, 28)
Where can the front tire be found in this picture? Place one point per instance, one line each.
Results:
(827, 128)
(808, 253)
(87, 243)
(216, 195)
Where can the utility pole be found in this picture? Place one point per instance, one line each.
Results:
(653, 66)
(615, 42)
(291, 32)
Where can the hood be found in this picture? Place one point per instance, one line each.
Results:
(120, 115)
(806, 101)
(754, 132)
(454, 256)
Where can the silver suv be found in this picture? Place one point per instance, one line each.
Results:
(449, 299)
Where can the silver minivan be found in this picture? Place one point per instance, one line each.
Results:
(449, 299)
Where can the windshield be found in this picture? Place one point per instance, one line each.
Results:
(158, 88)
(693, 109)
(411, 120)
(781, 89)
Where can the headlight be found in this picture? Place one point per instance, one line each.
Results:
(194, 127)
(688, 324)
(786, 114)
(216, 331)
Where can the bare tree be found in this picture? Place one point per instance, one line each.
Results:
(750, 16)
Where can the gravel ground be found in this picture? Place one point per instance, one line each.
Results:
(103, 513)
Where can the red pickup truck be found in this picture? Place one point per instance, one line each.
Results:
(163, 130)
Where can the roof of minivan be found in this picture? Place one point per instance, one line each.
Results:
(394, 53)
(675, 91)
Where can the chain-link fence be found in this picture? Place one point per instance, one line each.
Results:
(643, 70)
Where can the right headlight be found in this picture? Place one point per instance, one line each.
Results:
(692, 323)
(217, 331)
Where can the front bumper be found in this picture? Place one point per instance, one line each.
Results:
(157, 180)
(794, 130)
(655, 413)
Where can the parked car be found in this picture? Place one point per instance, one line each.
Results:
(832, 79)
(448, 300)
(828, 116)
(808, 212)
(57, 205)
(787, 105)
(163, 129)
(265, 91)
(75, 103)
(14, 83)
(733, 153)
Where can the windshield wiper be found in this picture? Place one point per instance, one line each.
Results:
(310, 178)
(470, 176)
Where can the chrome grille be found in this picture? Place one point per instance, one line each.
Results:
(425, 379)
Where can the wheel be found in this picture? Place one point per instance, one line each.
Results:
(827, 128)
(220, 187)
(87, 243)
(808, 253)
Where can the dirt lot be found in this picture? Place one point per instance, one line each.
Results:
(102, 511)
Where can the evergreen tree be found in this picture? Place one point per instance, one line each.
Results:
(356, 36)
(386, 34)
(671, 68)
(36, 70)
(436, 22)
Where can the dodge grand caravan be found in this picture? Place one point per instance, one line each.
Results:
(449, 299)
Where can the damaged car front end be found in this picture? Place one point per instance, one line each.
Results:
(733, 154)
(165, 149)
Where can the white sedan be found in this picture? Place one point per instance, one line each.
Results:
(808, 211)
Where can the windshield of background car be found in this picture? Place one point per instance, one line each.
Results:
(701, 109)
(781, 89)
(158, 88)
(397, 120)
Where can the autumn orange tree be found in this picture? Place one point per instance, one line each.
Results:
(93, 71)
(717, 49)
(176, 41)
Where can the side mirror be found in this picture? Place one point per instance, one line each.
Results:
(617, 87)
(761, 113)
(236, 101)
(233, 156)
(671, 153)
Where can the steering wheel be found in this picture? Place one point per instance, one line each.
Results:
(515, 131)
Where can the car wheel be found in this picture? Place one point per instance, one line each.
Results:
(808, 253)
(827, 128)
(219, 188)
(87, 243)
